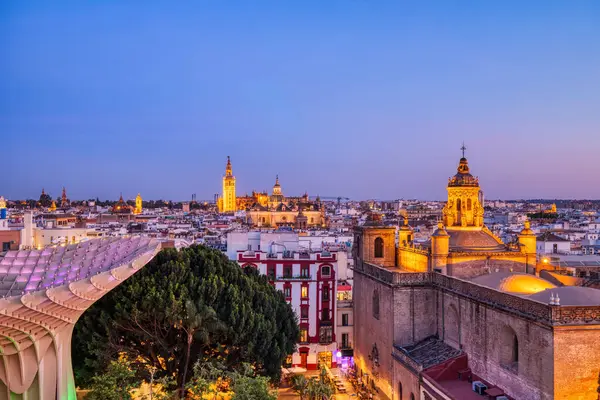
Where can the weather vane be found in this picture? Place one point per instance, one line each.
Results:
(463, 148)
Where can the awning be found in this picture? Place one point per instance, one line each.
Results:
(343, 288)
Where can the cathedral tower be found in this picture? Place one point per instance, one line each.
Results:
(138, 204)
(64, 202)
(464, 208)
(228, 201)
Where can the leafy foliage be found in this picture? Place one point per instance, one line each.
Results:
(186, 306)
(115, 383)
(314, 388)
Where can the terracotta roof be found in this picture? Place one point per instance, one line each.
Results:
(550, 237)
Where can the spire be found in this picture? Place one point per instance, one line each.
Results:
(228, 171)
(43, 192)
(64, 202)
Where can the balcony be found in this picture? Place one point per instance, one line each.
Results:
(344, 304)
(346, 346)
(291, 277)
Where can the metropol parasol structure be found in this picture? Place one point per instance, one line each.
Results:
(42, 295)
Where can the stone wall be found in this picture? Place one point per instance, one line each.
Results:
(487, 336)
(576, 362)
(413, 259)
(414, 314)
(370, 332)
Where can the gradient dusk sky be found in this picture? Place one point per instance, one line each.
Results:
(357, 98)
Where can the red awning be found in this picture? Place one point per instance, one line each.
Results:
(343, 288)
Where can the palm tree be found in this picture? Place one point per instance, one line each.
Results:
(300, 385)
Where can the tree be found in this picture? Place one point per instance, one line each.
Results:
(115, 383)
(183, 307)
(252, 388)
(300, 385)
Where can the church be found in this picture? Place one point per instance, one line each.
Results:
(274, 210)
(465, 311)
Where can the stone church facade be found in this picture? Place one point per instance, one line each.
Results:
(466, 307)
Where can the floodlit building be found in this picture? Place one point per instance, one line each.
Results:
(465, 313)
(43, 293)
(227, 202)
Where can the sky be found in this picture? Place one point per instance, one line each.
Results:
(351, 98)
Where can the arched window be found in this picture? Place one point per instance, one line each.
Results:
(400, 390)
(469, 204)
(376, 304)
(412, 396)
(458, 205)
(509, 349)
(378, 247)
(515, 349)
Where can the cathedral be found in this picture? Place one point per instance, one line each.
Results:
(466, 311)
(271, 210)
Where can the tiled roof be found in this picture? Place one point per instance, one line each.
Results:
(430, 351)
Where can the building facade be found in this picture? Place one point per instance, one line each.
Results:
(309, 283)
(467, 308)
(227, 202)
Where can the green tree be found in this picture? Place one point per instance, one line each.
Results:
(300, 385)
(252, 388)
(115, 383)
(183, 307)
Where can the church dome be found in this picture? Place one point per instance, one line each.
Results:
(515, 283)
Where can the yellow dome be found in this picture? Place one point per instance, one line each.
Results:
(524, 284)
(514, 282)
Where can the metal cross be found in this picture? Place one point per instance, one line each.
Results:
(463, 148)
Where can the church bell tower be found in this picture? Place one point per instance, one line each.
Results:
(228, 201)
(464, 208)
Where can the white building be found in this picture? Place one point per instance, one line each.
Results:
(549, 243)
(309, 281)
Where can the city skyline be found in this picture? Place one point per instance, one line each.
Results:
(355, 99)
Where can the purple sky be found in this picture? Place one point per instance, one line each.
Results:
(357, 98)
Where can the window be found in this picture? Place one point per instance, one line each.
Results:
(304, 292)
(325, 314)
(305, 271)
(271, 272)
(287, 271)
(345, 341)
(375, 304)
(378, 247)
(469, 204)
(326, 334)
(303, 335)
(412, 396)
(344, 319)
(287, 291)
(515, 350)
(326, 270)
(400, 390)
(325, 293)
(304, 312)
